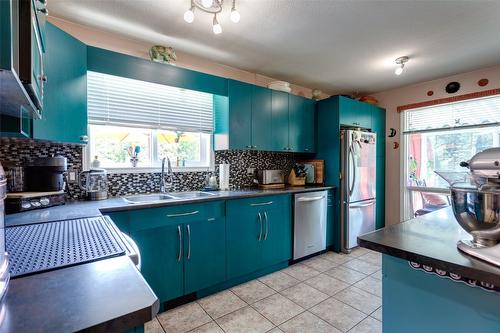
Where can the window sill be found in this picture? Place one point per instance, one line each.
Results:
(156, 170)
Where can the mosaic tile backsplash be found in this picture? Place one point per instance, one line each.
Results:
(22, 151)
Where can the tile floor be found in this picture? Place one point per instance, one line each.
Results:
(328, 293)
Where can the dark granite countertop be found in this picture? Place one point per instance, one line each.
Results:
(431, 240)
(80, 209)
(103, 296)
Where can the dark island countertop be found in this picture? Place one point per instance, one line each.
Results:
(103, 296)
(431, 240)
(81, 209)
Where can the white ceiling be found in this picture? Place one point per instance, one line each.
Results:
(337, 46)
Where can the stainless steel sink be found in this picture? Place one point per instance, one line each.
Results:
(192, 195)
(142, 198)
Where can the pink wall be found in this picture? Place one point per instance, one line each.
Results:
(416, 93)
(117, 43)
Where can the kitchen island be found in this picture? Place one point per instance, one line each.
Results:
(428, 284)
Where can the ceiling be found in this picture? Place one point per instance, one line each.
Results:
(337, 46)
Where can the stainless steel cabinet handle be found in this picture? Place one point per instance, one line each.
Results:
(267, 225)
(260, 221)
(363, 205)
(310, 199)
(211, 219)
(262, 203)
(179, 233)
(42, 78)
(84, 138)
(248, 146)
(189, 242)
(183, 214)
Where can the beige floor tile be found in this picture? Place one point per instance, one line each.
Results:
(368, 325)
(362, 266)
(371, 285)
(327, 284)
(359, 299)
(275, 330)
(300, 271)
(304, 295)
(307, 322)
(245, 320)
(338, 314)
(211, 327)
(372, 257)
(279, 281)
(377, 314)
(359, 251)
(277, 308)
(253, 291)
(338, 258)
(377, 275)
(183, 318)
(222, 303)
(153, 326)
(320, 264)
(345, 274)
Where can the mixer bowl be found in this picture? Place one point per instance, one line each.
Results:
(478, 213)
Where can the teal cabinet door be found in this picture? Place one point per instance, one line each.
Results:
(308, 121)
(380, 209)
(330, 220)
(355, 113)
(240, 114)
(378, 126)
(280, 121)
(64, 116)
(204, 253)
(261, 118)
(162, 259)
(277, 239)
(244, 230)
(302, 124)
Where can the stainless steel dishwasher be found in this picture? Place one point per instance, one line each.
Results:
(309, 223)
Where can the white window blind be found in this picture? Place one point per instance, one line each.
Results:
(463, 114)
(122, 101)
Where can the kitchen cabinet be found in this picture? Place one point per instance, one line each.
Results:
(354, 113)
(330, 219)
(65, 102)
(258, 233)
(240, 115)
(280, 121)
(261, 118)
(16, 126)
(301, 126)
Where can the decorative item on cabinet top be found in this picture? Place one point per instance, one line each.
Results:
(163, 54)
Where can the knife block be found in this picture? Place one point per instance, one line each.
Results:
(296, 181)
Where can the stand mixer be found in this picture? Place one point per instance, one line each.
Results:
(476, 205)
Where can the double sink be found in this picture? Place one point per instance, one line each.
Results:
(155, 197)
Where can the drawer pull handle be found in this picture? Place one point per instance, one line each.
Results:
(310, 199)
(184, 214)
(179, 234)
(211, 219)
(262, 204)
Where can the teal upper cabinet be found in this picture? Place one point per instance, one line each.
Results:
(378, 126)
(261, 118)
(65, 103)
(280, 121)
(354, 113)
(301, 130)
(41, 13)
(240, 115)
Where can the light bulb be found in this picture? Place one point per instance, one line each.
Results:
(235, 15)
(207, 3)
(398, 70)
(189, 15)
(217, 29)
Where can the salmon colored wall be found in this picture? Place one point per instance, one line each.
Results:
(416, 93)
(117, 43)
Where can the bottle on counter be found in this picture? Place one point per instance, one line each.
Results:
(224, 176)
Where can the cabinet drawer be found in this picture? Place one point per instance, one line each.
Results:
(264, 203)
(156, 217)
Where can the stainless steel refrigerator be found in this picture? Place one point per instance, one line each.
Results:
(357, 186)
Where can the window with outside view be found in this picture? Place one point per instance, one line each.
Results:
(132, 120)
(438, 138)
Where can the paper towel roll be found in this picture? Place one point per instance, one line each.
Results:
(224, 177)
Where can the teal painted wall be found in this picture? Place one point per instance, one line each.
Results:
(416, 302)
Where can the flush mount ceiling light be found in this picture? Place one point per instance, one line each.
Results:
(211, 7)
(401, 61)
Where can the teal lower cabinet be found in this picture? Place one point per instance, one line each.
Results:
(204, 253)
(258, 233)
(415, 301)
(330, 220)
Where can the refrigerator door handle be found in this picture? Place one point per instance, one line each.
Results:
(362, 205)
(351, 157)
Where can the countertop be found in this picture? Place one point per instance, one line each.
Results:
(103, 296)
(80, 209)
(431, 240)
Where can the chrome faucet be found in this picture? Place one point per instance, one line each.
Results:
(165, 186)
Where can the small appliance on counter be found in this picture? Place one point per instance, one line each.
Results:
(4, 260)
(23, 201)
(95, 184)
(15, 177)
(475, 198)
(271, 179)
(46, 174)
(211, 183)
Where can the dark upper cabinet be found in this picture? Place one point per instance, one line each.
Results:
(65, 103)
